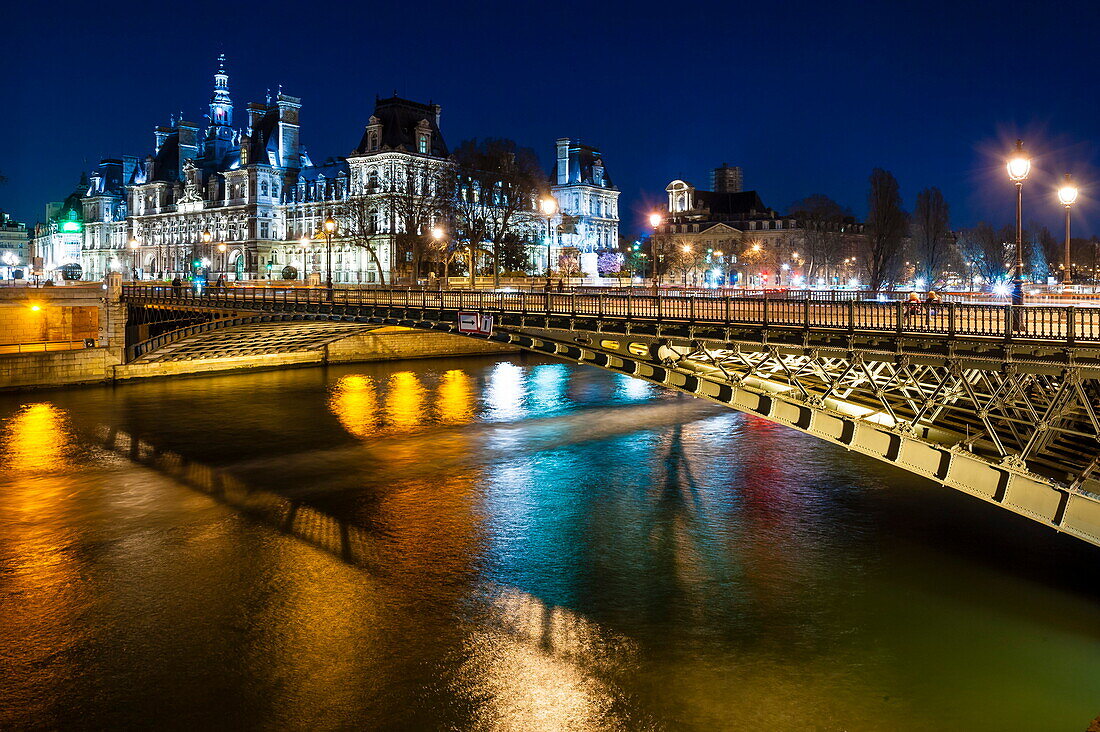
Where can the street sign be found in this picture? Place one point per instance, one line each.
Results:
(475, 324)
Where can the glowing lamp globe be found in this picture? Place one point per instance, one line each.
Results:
(1019, 165)
(437, 233)
(655, 220)
(330, 225)
(548, 206)
(1067, 194)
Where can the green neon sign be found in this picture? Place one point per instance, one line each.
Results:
(70, 226)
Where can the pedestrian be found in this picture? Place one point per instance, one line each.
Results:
(220, 282)
(912, 305)
(932, 301)
(561, 285)
(177, 286)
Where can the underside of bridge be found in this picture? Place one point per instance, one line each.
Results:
(242, 337)
(1015, 425)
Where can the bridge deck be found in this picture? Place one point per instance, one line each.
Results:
(1068, 324)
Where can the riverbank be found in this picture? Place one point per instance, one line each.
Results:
(88, 366)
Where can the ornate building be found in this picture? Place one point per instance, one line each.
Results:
(588, 215)
(758, 245)
(56, 246)
(249, 203)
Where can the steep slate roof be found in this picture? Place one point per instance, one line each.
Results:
(745, 203)
(399, 118)
(330, 169)
(582, 158)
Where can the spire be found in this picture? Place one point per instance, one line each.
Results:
(221, 106)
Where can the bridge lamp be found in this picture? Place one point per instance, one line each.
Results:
(1019, 165)
(655, 219)
(222, 248)
(1067, 196)
(686, 248)
(206, 236)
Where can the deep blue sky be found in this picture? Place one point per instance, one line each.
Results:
(806, 97)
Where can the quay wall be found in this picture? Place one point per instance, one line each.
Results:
(92, 365)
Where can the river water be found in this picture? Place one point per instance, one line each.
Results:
(509, 544)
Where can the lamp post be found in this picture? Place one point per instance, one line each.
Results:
(1019, 165)
(1067, 195)
(330, 229)
(437, 236)
(197, 264)
(134, 244)
(549, 207)
(655, 220)
(222, 249)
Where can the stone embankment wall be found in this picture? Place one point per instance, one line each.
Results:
(94, 311)
(394, 343)
(55, 368)
(384, 344)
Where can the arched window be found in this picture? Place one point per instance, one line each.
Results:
(263, 188)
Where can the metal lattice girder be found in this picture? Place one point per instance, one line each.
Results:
(1010, 419)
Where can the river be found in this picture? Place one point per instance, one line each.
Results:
(508, 543)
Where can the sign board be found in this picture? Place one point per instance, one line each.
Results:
(475, 324)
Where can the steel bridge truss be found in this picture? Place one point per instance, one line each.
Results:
(1013, 424)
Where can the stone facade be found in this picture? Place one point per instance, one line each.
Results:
(587, 220)
(249, 203)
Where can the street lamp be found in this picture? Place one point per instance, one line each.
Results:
(655, 220)
(134, 244)
(330, 229)
(437, 235)
(549, 207)
(1019, 165)
(1067, 195)
(207, 237)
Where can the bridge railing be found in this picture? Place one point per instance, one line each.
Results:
(1063, 323)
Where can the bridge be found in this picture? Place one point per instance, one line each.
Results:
(994, 400)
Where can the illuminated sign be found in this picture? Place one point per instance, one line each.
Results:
(70, 226)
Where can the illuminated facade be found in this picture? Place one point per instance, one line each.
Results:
(57, 242)
(13, 239)
(588, 203)
(263, 201)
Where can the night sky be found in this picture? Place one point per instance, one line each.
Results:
(806, 97)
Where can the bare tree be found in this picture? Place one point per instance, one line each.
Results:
(887, 223)
(930, 233)
(498, 187)
(985, 250)
(359, 223)
(822, 222)
(422, 200)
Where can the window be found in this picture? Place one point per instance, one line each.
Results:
(422, 143)
(263, 188)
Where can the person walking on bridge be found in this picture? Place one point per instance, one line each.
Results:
(177, 286)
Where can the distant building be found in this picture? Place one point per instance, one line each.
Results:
(759, 245)
(726, 179)
(14, 239)
(588, 204)
(57, 241)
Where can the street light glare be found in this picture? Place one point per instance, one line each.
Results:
(548, 206)
(437, 232)
(330, 225)
(1019, 165)
(1067, 194)
(655, 219)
